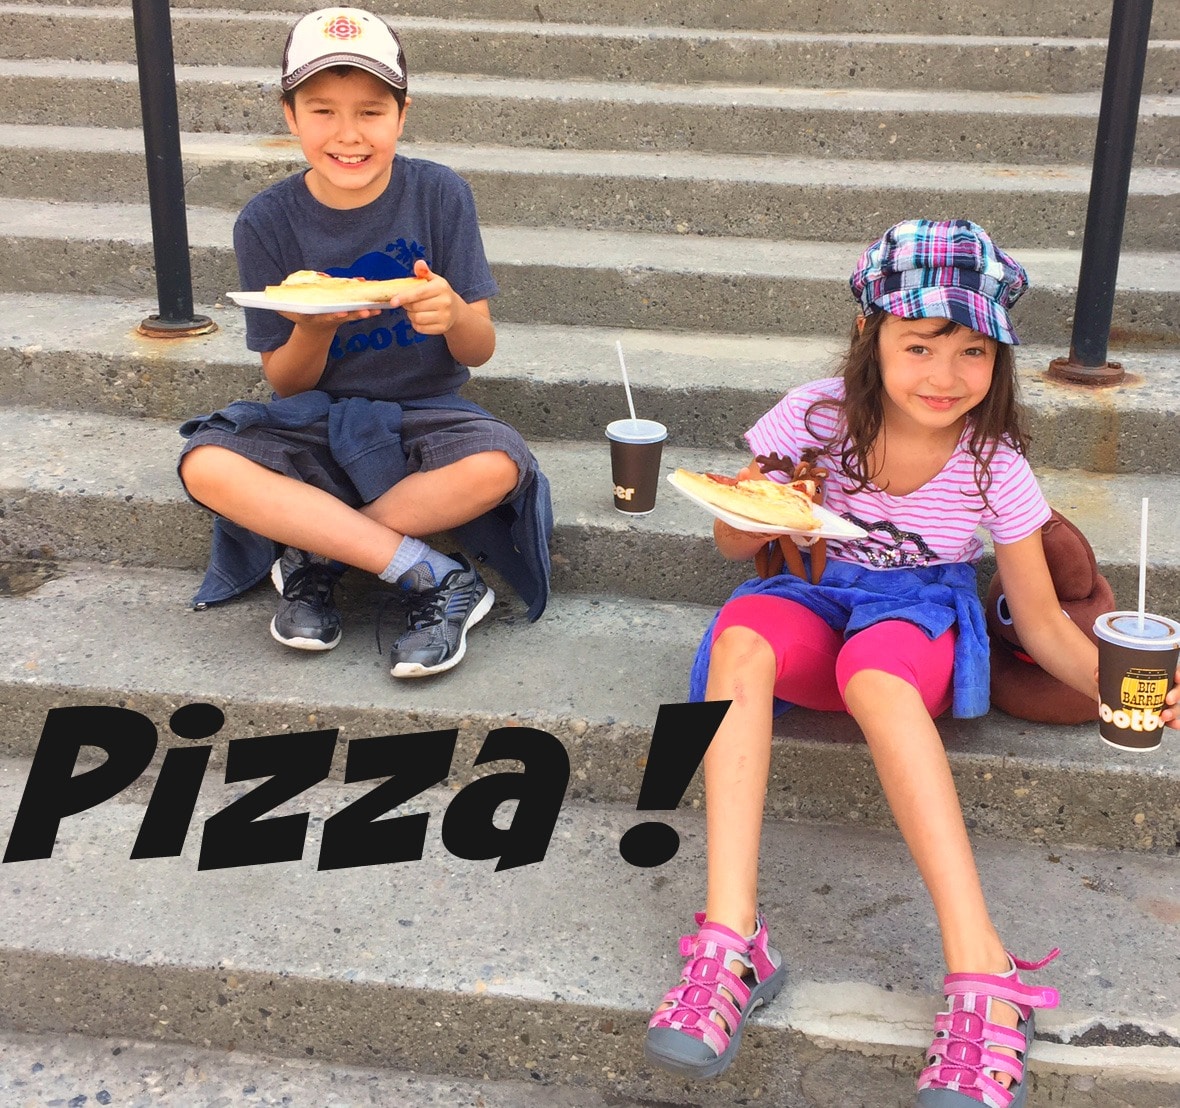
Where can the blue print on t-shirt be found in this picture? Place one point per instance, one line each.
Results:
(397, 260)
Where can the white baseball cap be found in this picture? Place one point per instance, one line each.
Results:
(343, 36)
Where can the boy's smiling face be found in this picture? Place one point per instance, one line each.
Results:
(348, 125)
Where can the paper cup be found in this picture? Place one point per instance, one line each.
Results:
(1136, 668)
(636, 447)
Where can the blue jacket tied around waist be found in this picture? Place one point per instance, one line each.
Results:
(364, 437)
(850, 598)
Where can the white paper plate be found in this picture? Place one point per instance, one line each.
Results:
(832, 525)
(261, 300)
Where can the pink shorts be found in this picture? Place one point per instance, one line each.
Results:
(815, 663)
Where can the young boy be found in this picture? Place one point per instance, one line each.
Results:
(366, 446)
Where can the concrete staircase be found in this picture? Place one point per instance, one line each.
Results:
(695, 180)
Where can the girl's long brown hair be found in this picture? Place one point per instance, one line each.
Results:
(997, 418)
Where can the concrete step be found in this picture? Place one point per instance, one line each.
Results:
(670, 193)
(561, 383)
(878, 124)
(592, 672)
(61, 1068)
(81, 486)
(565, 51)
(1005, 17)
(583, 278)
(451, 968)
(503, 971)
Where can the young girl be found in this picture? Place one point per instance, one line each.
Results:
(923, 442)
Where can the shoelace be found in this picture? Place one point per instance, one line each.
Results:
(420, 609)
(312, 579)
(425, 608)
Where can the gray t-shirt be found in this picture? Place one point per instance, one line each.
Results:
(426, 212)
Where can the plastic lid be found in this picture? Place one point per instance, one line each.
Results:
(636, 430)
(1155, 631)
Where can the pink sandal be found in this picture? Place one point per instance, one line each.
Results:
(685, 1038)
(962, 1058)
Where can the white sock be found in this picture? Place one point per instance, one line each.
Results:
(414, 554)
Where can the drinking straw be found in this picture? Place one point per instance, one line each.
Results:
(1142, 563)
(626, 383)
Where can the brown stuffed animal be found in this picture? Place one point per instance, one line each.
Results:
(1019, 686)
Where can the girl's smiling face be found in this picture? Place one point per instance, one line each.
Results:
(348, 125)
(932, 377)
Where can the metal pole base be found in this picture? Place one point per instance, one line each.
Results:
(156, 328)
(1065, 369)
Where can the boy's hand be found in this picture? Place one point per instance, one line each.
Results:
(430, 309)
(329, 321)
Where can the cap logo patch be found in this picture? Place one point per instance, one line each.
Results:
(343, 28)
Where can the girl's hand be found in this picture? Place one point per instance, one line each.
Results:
(723, 532)
(431, 309)
(753, 472)
(734, 544)
(1171, 713)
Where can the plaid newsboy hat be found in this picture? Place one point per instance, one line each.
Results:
(943, 269)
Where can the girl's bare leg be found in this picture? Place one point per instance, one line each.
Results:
(737, 767)
(916, 777)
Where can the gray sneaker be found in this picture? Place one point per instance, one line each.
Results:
(307, 617)
(291, 560)
(437, 620)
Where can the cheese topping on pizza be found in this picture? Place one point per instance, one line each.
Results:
(307, 286)
(762, 500)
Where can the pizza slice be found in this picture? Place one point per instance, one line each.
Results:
(777, 504)
(306, 286)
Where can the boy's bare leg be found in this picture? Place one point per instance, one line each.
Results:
(300, 515)
(916, 777)
(285, 509)
(429, 501)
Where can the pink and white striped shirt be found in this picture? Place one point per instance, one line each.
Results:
(933, 525)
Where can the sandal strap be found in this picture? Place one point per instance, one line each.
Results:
(992, 1033)
(969, 1043)
(963, 1056)
(1020, 963)
(1007, 987)
(698, 996)
(708, 974)
(1022, 997)
(990, 1064)
(753, 950)
(968, 1081)
(692, 1023)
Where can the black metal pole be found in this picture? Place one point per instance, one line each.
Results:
(1114, 148)
(165, 177)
